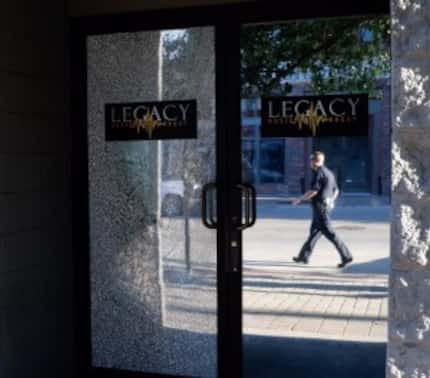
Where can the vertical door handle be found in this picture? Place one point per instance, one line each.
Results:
(250, 205)
(207, 213)
(244, 190)
(253, 198)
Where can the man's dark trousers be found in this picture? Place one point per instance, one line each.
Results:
(321, 226)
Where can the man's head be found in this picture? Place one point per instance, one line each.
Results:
(317, 159)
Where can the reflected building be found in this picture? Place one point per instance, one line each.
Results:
(279, 166)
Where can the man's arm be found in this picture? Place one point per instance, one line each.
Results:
(336, 189)
(307, 196)
(335, 194)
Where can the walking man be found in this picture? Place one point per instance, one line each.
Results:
(322, 193)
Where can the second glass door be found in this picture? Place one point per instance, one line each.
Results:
(308, 317)
(153, 264)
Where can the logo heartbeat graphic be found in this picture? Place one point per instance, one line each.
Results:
(147, 123)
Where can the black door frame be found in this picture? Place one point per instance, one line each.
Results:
(227, 20)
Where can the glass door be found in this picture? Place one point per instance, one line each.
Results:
(175, 170)
(303, 314)
(151, 153)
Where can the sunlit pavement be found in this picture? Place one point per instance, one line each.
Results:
(282, 298)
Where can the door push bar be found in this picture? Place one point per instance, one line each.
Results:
(250, 205)
(208, 220)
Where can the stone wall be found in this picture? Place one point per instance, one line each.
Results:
(409, 330)
(36, 331)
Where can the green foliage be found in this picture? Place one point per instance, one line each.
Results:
(345, 54)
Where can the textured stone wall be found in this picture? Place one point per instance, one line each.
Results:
(409, 330)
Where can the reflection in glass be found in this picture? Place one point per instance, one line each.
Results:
(272, 161)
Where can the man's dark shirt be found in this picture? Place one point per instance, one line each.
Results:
(323, 182)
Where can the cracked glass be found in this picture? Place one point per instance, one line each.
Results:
(152, 262)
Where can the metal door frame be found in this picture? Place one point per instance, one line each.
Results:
(227, 21)
(81, 28)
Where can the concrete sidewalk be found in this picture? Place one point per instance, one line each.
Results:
(316, 300)
(315, 304)
(290, 312)
(280, 297)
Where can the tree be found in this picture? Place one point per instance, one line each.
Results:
(345, 54)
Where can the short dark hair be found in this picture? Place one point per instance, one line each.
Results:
(317, 155)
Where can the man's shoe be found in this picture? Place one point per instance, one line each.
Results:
(299, 260)
(345, 263)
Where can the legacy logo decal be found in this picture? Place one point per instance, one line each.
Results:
(151, 120)
(310, 116)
